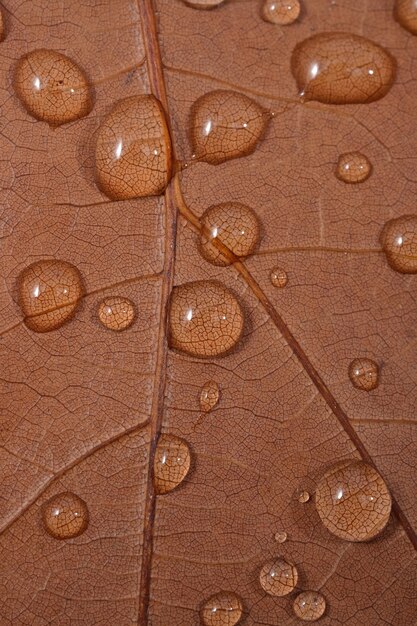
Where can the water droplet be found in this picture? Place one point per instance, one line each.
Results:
(309, 606)
(222, 609)
(226, 125)
(203, 4)
(281, 12)
(52, 87)
(364, 373)
(278, 577)
(342, 68)
(353, 167)
(49, 294)
(116, 313)
(281, 537)
(65, 516)
(232, 224)
(205, 319)
(353, 501)
(399, 242)
(405, 12)
(303, 497)
(209, 396)
(133, 150)
(171, 464)
(279, 277)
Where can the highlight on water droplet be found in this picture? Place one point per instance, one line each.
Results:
(364, 374)
(399, 242)
(203, 4)
(52, 87)
(133, 150)
(309, 606)
(116, 313)
(226, 125)
(205, 319)
(281, 12)
(353, 501)
(281, 537)
(209, 396)
(279, 277)
(222, 609)
(171, 464)
(342, 68)
(405, 12)
(65, 516)
(353, 167)
(278, 577)
(303, 497)
(232, 224)
(50, 292)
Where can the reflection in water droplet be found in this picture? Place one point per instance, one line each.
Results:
(353, 501)
(303, 497)
(222, 609)
(235, 226)
(281, 12)
(226, 125)
(133, 150)
(203, 4)
(353, 167)
(49, 294)
(171, 464)
(116, 313)
(342, 68)
(65, 516)
(205, 319)
(363, 374)
(52, 87)
(405, 12)
(278, 578)
(279, 277)
(281, 537)
(399, 242)
(309, 606)
(209, 397)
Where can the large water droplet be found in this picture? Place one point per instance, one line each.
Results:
(222, 609)
(364, 373)
(282, 12)
(281, 537)
(49, 294)
(232, 224)
(399, 242)
(342, 68)
(52, 87)
(171, 464)
(209, 396)
(226, 125)
(405, 12)
(279, 277)
(309, 606)
(133, 150)
(353, 501)
(65, 516)
(353, 167)
(116, 313)
(278, 577)
(203, 4)
(205, 319)
(303, 497)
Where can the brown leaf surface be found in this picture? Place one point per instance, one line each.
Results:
(82, 407)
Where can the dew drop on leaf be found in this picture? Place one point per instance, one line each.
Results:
(309, 606)
(405, 12)
(279, 277)
(209, 396)
(353, 167)
(281, 12)
(222, 609)
(280, 537)
(65, 516)
(303, 497)
(278, 577)
(399, 242)
(171, 464)
(116, 313)
(364, 374)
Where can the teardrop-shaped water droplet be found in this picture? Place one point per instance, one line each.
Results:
(405, 12)
(205, 319)
(353, 501)
(222, 609)
(171, 464)
(309, 606)
(399, 242)
(279, 277)
(281, 12)
(209, 396)
(50, 291)
(52, 87)
(65, 516)
(133, 150)
(278, 577)
(342, 68)
(226, 125)
(364, 374)
(353, 167)
(116, 313)
(203, 4)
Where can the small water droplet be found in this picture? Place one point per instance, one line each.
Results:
(281, 12)
(405, 12)
(353, 167)
(226, 125)
(52, 87)
(279, 277)
(309, 606)
(364, 373)
(353, 501)
(116, 313)
(303, 497)
(205, 319)
(65, 516)
(232, 224)
(203, 4)
(278, 577)
(342, 68)
(49, 294)
(171, 464)
(209, 396)
(133, 150)
(281, 537)
(222, 609)
(399, 242)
